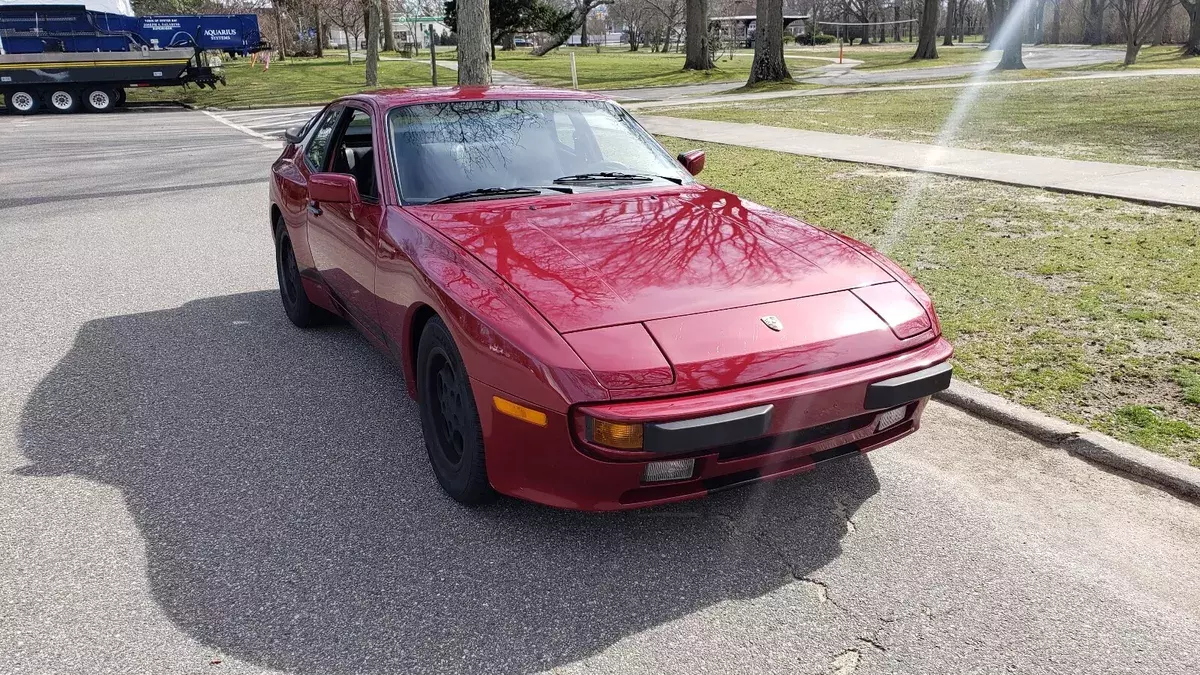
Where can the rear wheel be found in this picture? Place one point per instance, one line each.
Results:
(449, 419)
(63, 100)
(22, 101)
(100, 100)
(291, 289)
(120, 92)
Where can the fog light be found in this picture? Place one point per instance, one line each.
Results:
(616, 434)
(891, 418)
(676, 469)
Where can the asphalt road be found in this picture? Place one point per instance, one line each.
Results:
(188, 484)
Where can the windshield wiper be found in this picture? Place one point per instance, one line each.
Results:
(488, 192)
(614, 177)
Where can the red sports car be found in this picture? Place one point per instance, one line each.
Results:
(581, 323)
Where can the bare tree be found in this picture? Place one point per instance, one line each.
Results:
(862, 11)
(666, 19)
(1008, 26)
(1192, 46)
(768, 63)
(927, 42)
(474, 43)
(1138, 18)
(697, 48)
(566, 25)
(347, 15)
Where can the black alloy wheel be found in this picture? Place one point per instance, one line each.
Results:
(449, 418)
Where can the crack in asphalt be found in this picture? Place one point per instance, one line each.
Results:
(841, 511)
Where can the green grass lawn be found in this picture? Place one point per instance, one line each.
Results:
(1148, 121)
(294, 81)
(1082, 307)
(890, 55)
(614, 68)
(1164, 56)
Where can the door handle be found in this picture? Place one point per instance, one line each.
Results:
(314, 209)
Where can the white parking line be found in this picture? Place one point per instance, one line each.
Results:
(264, 123)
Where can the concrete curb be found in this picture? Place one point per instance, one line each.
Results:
(1165, 473)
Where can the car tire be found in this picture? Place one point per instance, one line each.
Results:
(22, 101)
(99, 100)
(62, 100)
(449, 418)
(299, 309)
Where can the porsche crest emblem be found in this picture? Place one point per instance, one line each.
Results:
(771, 321)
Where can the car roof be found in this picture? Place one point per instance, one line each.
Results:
(390, 98)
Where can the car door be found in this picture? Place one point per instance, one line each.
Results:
(343, 237)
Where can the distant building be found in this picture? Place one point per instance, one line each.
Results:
(405, 30)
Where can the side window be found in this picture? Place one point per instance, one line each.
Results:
(354, 153)
(319, 145)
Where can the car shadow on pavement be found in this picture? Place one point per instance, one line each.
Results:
(291, 520)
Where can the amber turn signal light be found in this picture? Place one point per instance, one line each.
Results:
(535, 417)
(616, 435)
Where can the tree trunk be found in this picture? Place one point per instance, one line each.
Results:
(768, 63)
(1093, 22)
(349, 54)
(474, 34)
(989, 33)
(1158, 31)
(320, 49)
(698, 56)
(1132, 47)
(927, 43)
(279, 28)
(385, 17)
(372, 31)
(583, 32)
(948, 40)
(1192, 47)
(1010, 32)
(1056, 23)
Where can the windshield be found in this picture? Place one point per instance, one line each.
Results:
(449, 148)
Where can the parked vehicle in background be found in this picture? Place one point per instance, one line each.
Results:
(68, 58)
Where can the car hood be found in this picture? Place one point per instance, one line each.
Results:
(611, 258)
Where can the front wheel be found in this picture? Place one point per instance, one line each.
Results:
(449, 419)
(291, 290)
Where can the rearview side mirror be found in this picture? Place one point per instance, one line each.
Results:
(692, 160)
(333, 188)
(294, 135)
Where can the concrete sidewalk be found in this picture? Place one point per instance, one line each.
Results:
(1173, 187)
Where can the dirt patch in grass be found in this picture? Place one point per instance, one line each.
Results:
(1082, 307)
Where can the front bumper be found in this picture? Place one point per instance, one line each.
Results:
(735, 436)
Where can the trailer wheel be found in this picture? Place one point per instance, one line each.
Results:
(100, 100)
(120, 92)
(63, 100)
(22, 101)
